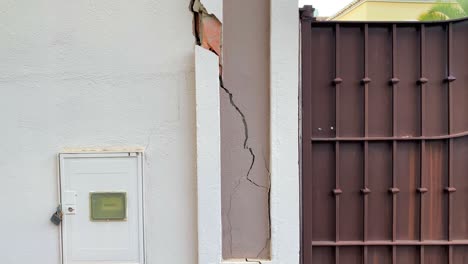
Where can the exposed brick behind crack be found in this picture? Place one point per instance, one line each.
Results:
(207, 32)
(207, 28)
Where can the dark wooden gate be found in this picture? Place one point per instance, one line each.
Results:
(385, 142)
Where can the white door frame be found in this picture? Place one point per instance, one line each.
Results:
(105, 154)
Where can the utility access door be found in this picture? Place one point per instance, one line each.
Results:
(385, 146)
(102, 204)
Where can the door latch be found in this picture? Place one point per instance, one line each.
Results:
(56, 218)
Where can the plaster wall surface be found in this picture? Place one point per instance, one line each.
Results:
(245, 161)
(108, 73)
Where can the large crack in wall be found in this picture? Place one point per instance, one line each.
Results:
(246, 177)
(208, 34)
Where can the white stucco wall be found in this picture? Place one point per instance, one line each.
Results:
(96, 73)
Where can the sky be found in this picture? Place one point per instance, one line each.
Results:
(326, 7)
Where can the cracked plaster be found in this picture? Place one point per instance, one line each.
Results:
(284, 203)
(245, 180)
(244, 185)
(246, 193)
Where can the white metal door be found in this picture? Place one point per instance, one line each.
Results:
(102, 204)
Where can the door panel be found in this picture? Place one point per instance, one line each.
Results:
(117, 180)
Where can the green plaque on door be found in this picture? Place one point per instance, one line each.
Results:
(108, 206)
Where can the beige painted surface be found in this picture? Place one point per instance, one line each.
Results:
(396, 11)
(246, 75)
(386, 11)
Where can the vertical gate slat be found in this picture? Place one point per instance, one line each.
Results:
(394, 189)
(421, 255)
(423, 133)
(450, 131)
(337, 196)
(366, 134)
(337, 144)
(306, 134)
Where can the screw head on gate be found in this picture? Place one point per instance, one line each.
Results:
(366, 80)
(422, 190)
(337, 192)
(337, 80)
(394, 190)
(394, 80)
(451, 78)
(423, 80)
(365, 191)
(450, 189)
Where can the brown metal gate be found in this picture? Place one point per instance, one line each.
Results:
(385, 146)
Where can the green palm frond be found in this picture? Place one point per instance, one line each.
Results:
(431, 16)
(445, 11)
(464, 6)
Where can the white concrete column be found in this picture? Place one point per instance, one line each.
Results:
(208, 157)
(285, 190)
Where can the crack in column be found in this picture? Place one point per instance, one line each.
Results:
(268, 240)
(199, 11)
(247, 176)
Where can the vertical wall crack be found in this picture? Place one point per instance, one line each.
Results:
(247, 176)
(268, 240)
(207, 32)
